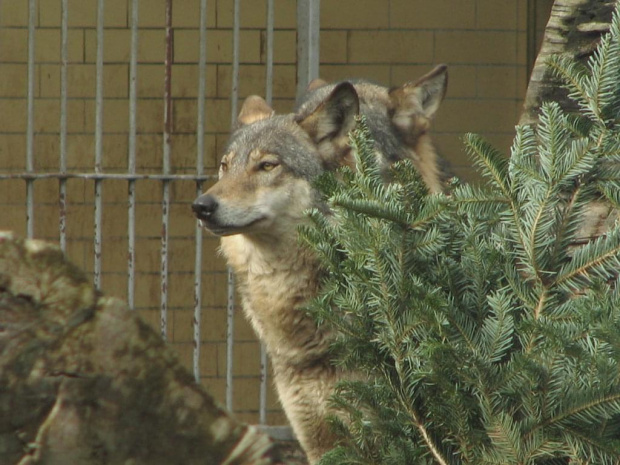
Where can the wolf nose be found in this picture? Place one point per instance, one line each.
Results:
(204, 206)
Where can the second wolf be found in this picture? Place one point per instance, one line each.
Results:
(266, 184)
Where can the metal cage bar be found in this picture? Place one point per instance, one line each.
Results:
(99, 145)
(165, 206)
(200, 143)
(264, 366)
(62, 183)
(308, 19)
(131, 158)
(32, 9)
(230, 305)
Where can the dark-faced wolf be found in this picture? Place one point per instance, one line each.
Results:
(266, 184)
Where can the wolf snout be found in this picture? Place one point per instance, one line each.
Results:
(205, 206)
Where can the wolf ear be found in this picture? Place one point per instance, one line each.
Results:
(419, 98)
(254, 109)
(335, 116)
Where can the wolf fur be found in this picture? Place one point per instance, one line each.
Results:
(264, 188)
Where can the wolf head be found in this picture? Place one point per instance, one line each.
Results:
(266, 172)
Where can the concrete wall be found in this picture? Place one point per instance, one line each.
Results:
(390, 41)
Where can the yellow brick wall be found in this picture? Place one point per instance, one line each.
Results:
(389, 41)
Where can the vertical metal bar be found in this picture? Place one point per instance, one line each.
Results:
(32, 7)
(131, 161)
(308, 25)
(200, 137)
(230, 308)
(98, 143)
(166, 169)
(262, 406)
(62, 188)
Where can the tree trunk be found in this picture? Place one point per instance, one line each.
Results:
(575, 28)
(85, 381)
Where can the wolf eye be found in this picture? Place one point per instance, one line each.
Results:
(267, 165)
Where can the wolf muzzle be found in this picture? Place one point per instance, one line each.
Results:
(205, 206)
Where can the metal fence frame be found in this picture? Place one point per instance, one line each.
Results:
(307, 69)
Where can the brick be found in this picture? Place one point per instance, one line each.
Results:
(522, 82)
(333, 46)
(390, 47)
(214, 289)
(436, 14)
(76, 190)
(182, 221)
(13, 79)
(81, 80)
(218, 115)
(47, 47)
(83, 13)
(355, 14)
(497, 82)
(80, 220)
(253, 81)
(377, 73)
(115, 148)
(14, 13)
(184, 81)
(254, 14)
(184, 152)
(246, 394)
(207, 361)
(150, 82)
(13, 116)
(13, 219)
(246, 359)
(149, 148)
(213, 324)
(522, 57)
(219, 46)
(284, 47)
(12, 151)
(498, 14)
(182, 253)
(114, 249)
(147, 291)
(475, 47)
(18, 51)
(470, 115)
(152, 14)
(80, 151)
(117, 46)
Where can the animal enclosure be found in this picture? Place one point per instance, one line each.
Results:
(114, 112)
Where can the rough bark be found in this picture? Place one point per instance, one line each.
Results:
(575, 28)
(84, 381)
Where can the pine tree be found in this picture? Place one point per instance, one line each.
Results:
(487, 333)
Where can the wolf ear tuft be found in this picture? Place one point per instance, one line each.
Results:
(254, 109)
(335, 116)
(421, 97)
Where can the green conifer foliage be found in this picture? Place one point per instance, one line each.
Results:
(484, 330)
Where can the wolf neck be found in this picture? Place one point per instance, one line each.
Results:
(275, 279)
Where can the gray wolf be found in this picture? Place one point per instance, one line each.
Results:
(266, 184)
